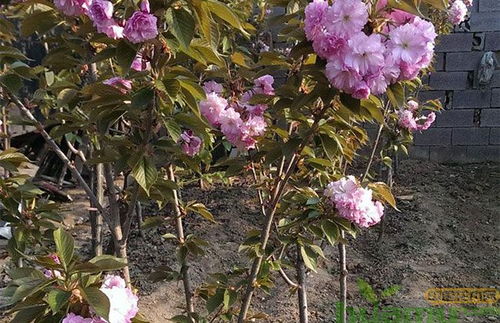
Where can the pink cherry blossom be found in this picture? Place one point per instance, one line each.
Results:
(361, 90)
(264, 85)
(428, 121)
(72, 7)
(141, 26)
(342, 76)
(376, 81)
(405, 44)
(407, 121)
(365, 53)
(346, 17)
(100, 11)
(354, 202)
(412, 105)
(314, 13)
(120, 83)
(73, 318)
(212, 86)
(457, 12)
(212, 108)
(328, 45)
(123, 303)
(190, 143)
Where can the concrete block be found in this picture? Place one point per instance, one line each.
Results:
(454, 118)
(483, 153)
(488, 5)
(471, 99)
(434, 137)
(490, 118)
(494, 136)
(485, 21)
(449, 80)
(492, 40)
(456, 154)
(470, 136)
(457, 42)
(463, 61)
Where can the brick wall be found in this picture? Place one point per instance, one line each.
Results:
(469, 128)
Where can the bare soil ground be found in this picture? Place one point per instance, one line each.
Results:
(445, 235)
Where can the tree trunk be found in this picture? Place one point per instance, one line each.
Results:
(301, 290)
(343, 280)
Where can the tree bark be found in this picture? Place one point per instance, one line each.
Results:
(343, 279)
(301, 290)
(116, 227)
(180, 236)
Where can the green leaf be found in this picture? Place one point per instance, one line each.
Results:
(214, 301)
(367, 291)
(30, 313)
(230, 297)
(57, 298)
(382, 191)
(202, 210)
(182, 25)
(145, 173)
(310, 257)
(396, 95)
(222, 11)
(173, 129)
(97, 300)
(11, 52)
(108, 262)
(39, 21)
(12, 82)
(65, 245)
(331, 231)
(151, 222)
(390, 291)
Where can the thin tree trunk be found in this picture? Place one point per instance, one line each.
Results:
(301, 290)
(180, 236)
(5, 129)
(275, 197)
(138, 212)
(96, 217)
(116, 227)
(343, 279)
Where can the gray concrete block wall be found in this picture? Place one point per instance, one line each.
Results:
(468, 130)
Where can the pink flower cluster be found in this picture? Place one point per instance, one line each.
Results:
(120, 83)
(73, 7)
(240, 121)
(190, 143)
(409, 120)
(354, 202)
(458, 11)
(141, 26)
(361, 64)
(74, 318)
(123, 303)
(101, 14)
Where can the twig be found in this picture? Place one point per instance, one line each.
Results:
(180, 236)
(374, 149)
(285, 277)
(26, 112)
